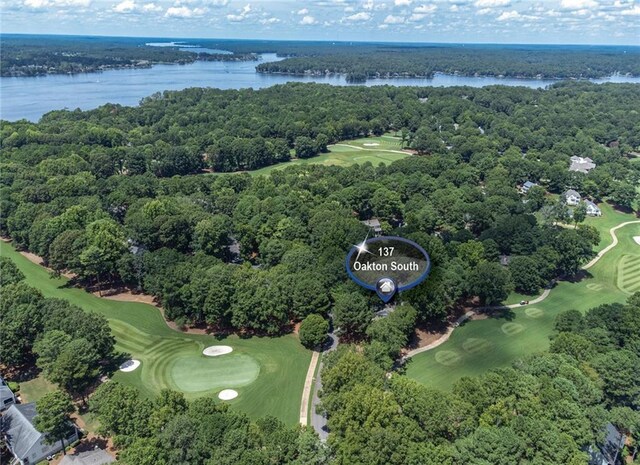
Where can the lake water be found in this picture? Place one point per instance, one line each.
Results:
(31, 97)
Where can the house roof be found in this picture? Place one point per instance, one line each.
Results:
(92, 457)
(589, 203)
(5, 393)
(529, 184)
(372, 223)
(17, 425)
(572, 193)
(607, 452)
(581, 164)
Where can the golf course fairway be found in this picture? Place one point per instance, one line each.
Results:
(267, 373)
(480, 345)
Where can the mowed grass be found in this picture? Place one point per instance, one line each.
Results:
(268, 373)
(338, 156)
(478, 346)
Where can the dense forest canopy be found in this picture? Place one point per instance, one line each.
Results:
(104, 194)
(24, 55)
(538, 62)
(33, 55)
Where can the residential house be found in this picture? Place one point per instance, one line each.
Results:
(526, 186)
(572, 197)
(25, 442)
(91, 457)
(7, 397)
(607, 453)
(592, 208)
(581, 164)
(374, 224)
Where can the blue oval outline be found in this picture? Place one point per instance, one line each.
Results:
(370, 287)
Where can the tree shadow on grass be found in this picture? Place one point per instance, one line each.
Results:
(501, 313)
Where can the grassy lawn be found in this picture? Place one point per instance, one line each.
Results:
(268, 373)
(478, 346)
(340, 155)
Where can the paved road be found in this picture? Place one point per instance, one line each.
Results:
(319, 421)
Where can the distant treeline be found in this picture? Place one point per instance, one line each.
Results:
(40, 55)
(366, 63)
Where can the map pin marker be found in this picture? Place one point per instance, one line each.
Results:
(386, 289)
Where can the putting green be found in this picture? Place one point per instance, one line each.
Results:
(201, 374)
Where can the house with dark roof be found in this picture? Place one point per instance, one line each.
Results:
(607, 453)
(527, 186)
(91, 457)
(7, 397)
(25, 442)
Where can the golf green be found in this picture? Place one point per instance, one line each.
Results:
(200, 374)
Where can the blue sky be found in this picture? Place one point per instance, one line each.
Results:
(496, 21)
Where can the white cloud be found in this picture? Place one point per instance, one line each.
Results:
(402, 2)
(509, 15)
(149, 7)
(394, 20)
(515, 16)
(454, 8)
(36, 4)
(425, 9)
(484, 11)
(578, 4)
(308, 21)
(126, 6)
(417, 17)
(242, 14)
(304, 11)
(183, 12)
(271, 20)
(635, 11)
(368, 5)
(491, 3)
(362, 16)
(383, 26)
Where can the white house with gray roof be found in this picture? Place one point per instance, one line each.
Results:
(592, 208)
(572, 197)
(25, 442)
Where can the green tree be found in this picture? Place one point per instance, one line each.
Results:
(525, 275)
(580, 213)
(313, 331)
(351, 314)
(491, 282)
(53, 418)
(9, 272)
(212, 235)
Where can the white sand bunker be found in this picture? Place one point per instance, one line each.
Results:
(637, 239)
(370, 144)
(227, 394)
(214, 351)
(130, 365)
